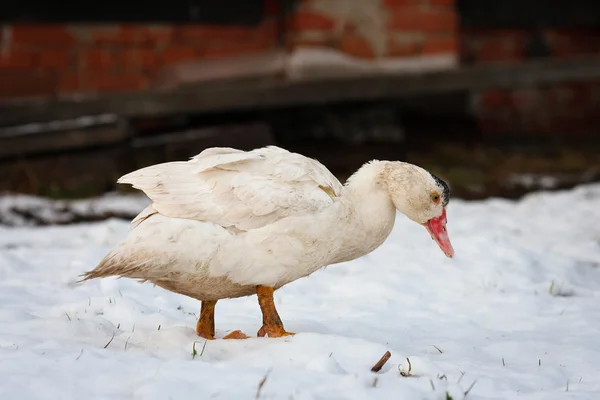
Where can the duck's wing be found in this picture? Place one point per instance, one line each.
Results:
(234, 188)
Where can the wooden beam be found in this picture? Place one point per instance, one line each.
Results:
(275, 93)
(60, 136)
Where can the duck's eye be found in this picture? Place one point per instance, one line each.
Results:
(435, 197)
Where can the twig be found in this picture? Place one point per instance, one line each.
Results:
(432, 385)
(405, 374)
(110, 341)
(377, 367)
(462, 374)
(262, 383)
(470, 387)
(194, 352)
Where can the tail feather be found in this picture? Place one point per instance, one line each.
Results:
(112, 265)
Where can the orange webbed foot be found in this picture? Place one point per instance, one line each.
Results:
(273, 332)
(272, 325)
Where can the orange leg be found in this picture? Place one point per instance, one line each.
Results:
(206, 323)
(272, 325)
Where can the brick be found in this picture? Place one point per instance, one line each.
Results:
(132, 34)
(49, 35)
(233, 49)
(16, 59)
(178, 54)
(307, 20)
(71, 83)
(423, 20)
(356, 46)
(440, 45)
(26, 83)
(139, 59)
(54, 59)
(260, 40)
(98, 59)
(403, 47)
(157, 35)
(110, 35)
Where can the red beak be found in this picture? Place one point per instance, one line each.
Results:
(437, 229)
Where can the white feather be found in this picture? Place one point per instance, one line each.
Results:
(229, 187)
(262, 217)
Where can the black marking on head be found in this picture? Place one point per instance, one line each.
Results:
(444, 188)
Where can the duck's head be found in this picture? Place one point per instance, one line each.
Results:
(422, 197)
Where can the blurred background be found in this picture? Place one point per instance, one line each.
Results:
(497, 97)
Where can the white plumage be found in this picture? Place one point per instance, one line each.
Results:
(229, 187)
(228, 221)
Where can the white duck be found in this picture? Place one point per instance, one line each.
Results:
(230, 223)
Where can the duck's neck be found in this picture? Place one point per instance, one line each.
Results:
(368, 209)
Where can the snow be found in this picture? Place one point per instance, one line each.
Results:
(513, 316)
(26, 210)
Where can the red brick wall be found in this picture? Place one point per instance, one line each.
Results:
(49, 60)
(377, 28)
(46, 60)
(571, 108)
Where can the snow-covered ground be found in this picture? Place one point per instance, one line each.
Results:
(516, 313)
